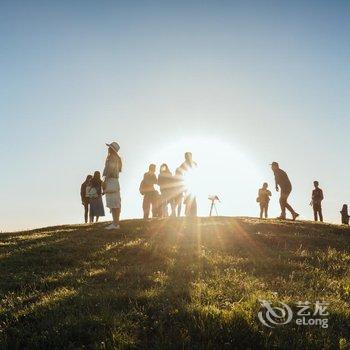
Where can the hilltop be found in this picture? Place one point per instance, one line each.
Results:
(172, 283)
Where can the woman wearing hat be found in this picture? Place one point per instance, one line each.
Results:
(111, 172)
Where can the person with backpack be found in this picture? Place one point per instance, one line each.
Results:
(150, 194)
(264, 199)
(95, 195)
(316, 201)
(85, 201)
(165, 182)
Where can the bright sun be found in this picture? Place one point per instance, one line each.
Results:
(192, 182)
(223, 170)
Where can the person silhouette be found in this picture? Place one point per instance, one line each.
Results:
(85, 201)
(316, 201)
(190, 201)
(111, 187)
(165, 182)
(264, 199)
(95, 195)
(150, 194)
(178, 189)
(345, 215)
(284, 185)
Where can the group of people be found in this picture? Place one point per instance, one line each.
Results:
(284, 186)
(91, 197)
(93, 188)
(173, 192)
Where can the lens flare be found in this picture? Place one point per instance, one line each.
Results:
(223, 168)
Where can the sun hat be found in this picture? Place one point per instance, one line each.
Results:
(114, 145)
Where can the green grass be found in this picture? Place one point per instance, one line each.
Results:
(173, 283)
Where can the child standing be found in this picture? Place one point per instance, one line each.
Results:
(264, 199)
(95, 195)
(345, 215)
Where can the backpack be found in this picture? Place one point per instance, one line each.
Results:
(92, 193)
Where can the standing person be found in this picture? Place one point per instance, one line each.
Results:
(264, 199)
(95, 195)
(84, 188)
(150, 194)
(178, 190)
(316, 201)
(111, 185)
(345, 215)
(187, 169)
(283, 183)
(165, 182)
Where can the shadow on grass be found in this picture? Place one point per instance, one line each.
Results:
(158, 284)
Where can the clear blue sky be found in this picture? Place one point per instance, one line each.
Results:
(269, 79)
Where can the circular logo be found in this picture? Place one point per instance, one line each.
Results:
(272, 316)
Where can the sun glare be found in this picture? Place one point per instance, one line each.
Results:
(192, 182)
(223, 170)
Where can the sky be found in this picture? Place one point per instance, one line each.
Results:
(238, 83)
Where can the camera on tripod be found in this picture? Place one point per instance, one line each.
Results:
(213, 199)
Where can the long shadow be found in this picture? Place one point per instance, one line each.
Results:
(137, 289)
(71, 261)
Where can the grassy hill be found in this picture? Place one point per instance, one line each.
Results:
(172, 283)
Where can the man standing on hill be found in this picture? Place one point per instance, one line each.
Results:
(150, 194)
(316, 201)
(283, 183)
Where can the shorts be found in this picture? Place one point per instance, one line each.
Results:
(113, 200)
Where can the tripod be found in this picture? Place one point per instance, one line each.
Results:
(213, 199)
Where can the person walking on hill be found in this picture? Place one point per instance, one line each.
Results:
(84, 188)
(165, 182)
(111, 187)
(264, 199)
(316, 202)
(345, 215)
(150, 194)
(95, 195)
(187, 168)
(284, 185)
